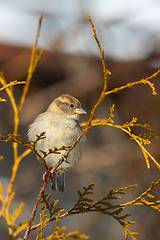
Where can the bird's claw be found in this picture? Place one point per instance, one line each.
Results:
(65, 159)
(47, 175)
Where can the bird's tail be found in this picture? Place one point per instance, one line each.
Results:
(57, 183)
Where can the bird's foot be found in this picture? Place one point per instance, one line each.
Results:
(64, 158)
(47, 175)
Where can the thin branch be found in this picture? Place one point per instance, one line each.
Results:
(13, 83)
(142, 81)
(32, 217)
(9, 92)
(33, 63)
(50, 220)
(105, 71)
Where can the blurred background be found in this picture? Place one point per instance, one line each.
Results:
(129, 32)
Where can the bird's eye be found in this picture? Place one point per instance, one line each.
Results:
(71, 105)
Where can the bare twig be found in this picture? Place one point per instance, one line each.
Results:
(33, 63)
(32, 217)
(142, 81)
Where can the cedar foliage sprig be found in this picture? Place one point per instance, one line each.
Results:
(11, 218)
(58, 233)
(127, 127)
(104, 206)
(142, 199)
(43, 221)
(50, 206)
(31, 145)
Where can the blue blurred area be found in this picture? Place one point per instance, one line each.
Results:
(127, 29)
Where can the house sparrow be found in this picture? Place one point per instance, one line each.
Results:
(61, 127)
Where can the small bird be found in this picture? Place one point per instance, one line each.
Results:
(61, 127)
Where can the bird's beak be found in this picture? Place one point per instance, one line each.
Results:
(79, 111)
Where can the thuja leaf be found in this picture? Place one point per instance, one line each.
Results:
(20, 228)
(104, 206)
(50, 206)
(43, 220)
(2, 196)
(123, 217)
(118, 211)
(130, 233)
(16, 213)
(76, 235)
(83, 203)
(2, 100)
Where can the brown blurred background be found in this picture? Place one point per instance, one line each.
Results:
(129, 34)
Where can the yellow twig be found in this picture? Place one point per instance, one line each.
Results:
(134, 137)
(9, 92)
(17, 159)
(33, 64)
(13, 83)
(105, 71)
(142, 81)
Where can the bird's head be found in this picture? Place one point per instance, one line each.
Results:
(67, 106)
